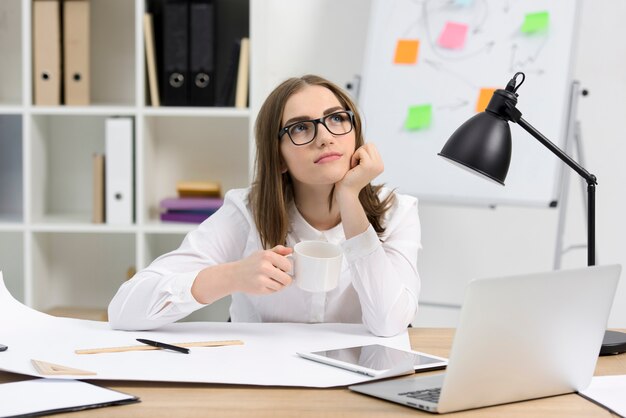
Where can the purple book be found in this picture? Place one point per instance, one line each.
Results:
(190, 217)
(192, 203)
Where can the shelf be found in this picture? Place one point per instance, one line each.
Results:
(62, 148)
(9, 222)
(96, 110)
(177, 148)
(9, 109)
(218, 112)
(78, 223)
(51, 253)
(77, 312)
(157, 227)
(77, 269)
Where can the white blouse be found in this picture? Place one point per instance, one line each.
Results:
(379, 283)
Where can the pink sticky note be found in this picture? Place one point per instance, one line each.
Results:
(453, 35)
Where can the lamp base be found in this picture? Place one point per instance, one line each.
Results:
(614, 343)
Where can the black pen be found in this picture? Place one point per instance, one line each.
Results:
(164, 346)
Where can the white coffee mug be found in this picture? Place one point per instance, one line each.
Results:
(316, 265)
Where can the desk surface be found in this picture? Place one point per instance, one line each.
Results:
(174, 400)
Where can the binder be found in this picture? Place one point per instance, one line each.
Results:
(47, 52)
(98, 189)
(226, 96)
(148, 33)
(241, 95)
(76, 52)
(175, 77)
(202, 53)
(119, 179)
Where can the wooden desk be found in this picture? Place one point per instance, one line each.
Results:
(180, 400)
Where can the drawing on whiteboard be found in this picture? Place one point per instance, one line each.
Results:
(431, 64)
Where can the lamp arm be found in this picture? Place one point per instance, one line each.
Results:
(590, 178)
(503, 105)
(591, 186)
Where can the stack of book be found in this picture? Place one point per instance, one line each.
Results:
(196, 201)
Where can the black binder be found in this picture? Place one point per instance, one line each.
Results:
(175, 75)
(202, 53)
(226, 95)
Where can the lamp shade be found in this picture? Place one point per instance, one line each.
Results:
(482, 144)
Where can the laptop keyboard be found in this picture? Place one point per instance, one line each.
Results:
(429, 395)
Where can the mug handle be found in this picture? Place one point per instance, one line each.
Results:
(292, 260)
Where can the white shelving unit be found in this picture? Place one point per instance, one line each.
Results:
(51, 254)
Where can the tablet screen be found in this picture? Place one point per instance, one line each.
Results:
(378, 357)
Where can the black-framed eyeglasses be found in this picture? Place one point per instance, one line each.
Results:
(305, 131)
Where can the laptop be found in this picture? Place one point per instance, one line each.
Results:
(518, 338)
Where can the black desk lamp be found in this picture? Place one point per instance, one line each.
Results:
(483, 145)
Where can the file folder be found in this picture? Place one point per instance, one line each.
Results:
(119, 178)
(98, 189)
(155, 8)
(226, 96)
(202, 53)
(148, 33)
(175, 53)
(243, 74)
(47, 52)
(76, 52)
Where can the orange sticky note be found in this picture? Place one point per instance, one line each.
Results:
(406, 51)
(483, 99)
(453, 35)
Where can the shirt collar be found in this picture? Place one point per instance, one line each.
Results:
(301, 230)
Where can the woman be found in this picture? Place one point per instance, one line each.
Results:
(312, 182)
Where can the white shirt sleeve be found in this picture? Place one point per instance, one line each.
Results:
(161, 293)
(384, 274)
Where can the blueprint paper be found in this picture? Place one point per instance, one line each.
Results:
(267, 357)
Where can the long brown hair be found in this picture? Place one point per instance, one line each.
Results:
(272, 189)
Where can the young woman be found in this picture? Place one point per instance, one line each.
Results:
(312, 182)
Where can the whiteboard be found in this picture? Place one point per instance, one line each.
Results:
(465, 46)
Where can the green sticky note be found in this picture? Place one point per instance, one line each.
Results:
(535, 22)
(419, 117)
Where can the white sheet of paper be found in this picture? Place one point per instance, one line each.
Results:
(267, 357)
(39, 395)
(609, 391)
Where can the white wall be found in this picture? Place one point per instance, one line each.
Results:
(461, 243)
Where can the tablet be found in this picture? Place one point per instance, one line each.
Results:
(376, 360)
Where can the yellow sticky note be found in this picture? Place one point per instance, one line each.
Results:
(536, 22)
(483, 99)
(406, 51)
(419, 117)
